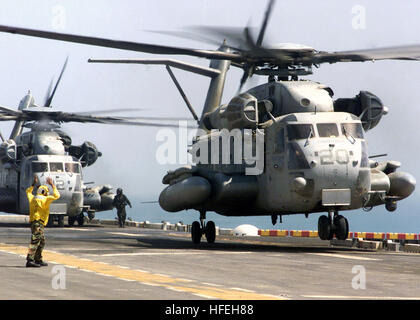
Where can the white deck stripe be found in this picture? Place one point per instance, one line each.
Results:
(343, 256)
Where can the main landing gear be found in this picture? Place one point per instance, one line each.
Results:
(80, 220)
(333, 224)
(200, 228)
(56, 217)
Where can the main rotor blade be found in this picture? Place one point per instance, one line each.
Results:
(208, 72)
(109, 111)
(245, 76)
(196, 37)
(135, 123)
(61, 117)
(69, 117)
(234, 36)
(49, 90)
(410, 52)
(89, 113)
(264, 23)
(123, 45)
(49, 100)
(257, 56)
(9, 111)
(161, 118)
(5, 117)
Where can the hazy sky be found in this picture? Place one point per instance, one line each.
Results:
(129, 152)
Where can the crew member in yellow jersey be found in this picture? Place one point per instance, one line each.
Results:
(39, 211)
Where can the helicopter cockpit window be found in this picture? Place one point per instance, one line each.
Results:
(56, 167)
(297, 159)
(39, 167)
(72, 167)
(353, 129)
(300, 131)
(327, 130)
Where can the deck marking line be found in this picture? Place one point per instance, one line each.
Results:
(125, 234)
(142, 277)
(143, 254)
(344, 256)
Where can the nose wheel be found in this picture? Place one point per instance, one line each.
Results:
(334, 224)
(200, 228)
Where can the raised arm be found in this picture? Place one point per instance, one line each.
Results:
(31, 188)
(55, 194)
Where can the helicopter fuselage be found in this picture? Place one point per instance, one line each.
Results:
(46, 152)
(67, 176)
(314, 159)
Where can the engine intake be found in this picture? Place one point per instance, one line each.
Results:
(241, 112)
(8, 151)
(367, 106)
(86, 152)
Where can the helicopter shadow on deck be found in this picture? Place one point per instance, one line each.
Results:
(235, 246)
(14, 225)
(13, 266)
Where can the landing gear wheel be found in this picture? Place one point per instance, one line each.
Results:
(341, 226)
(72, 220)
(391, 205)
(81, 219)
(61, 221)
(91, 214)
(50, 222)
(210, 232)
(196, 232)
(325, 231)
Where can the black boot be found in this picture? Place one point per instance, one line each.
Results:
(41, 263)
(32, 264)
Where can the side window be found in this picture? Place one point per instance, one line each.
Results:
(72, 167)
(354, 130)
(39, 167)
(279, 142)
(297, 159)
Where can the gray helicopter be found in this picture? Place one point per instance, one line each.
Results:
(314, 151)
(45, 150)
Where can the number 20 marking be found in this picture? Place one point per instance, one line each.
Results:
(328, 157)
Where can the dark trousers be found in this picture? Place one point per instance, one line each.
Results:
(121, 217)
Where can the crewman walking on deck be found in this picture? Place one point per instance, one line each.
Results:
(120, 201)
(39, 212)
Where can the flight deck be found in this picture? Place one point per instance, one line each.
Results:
(106, 262)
